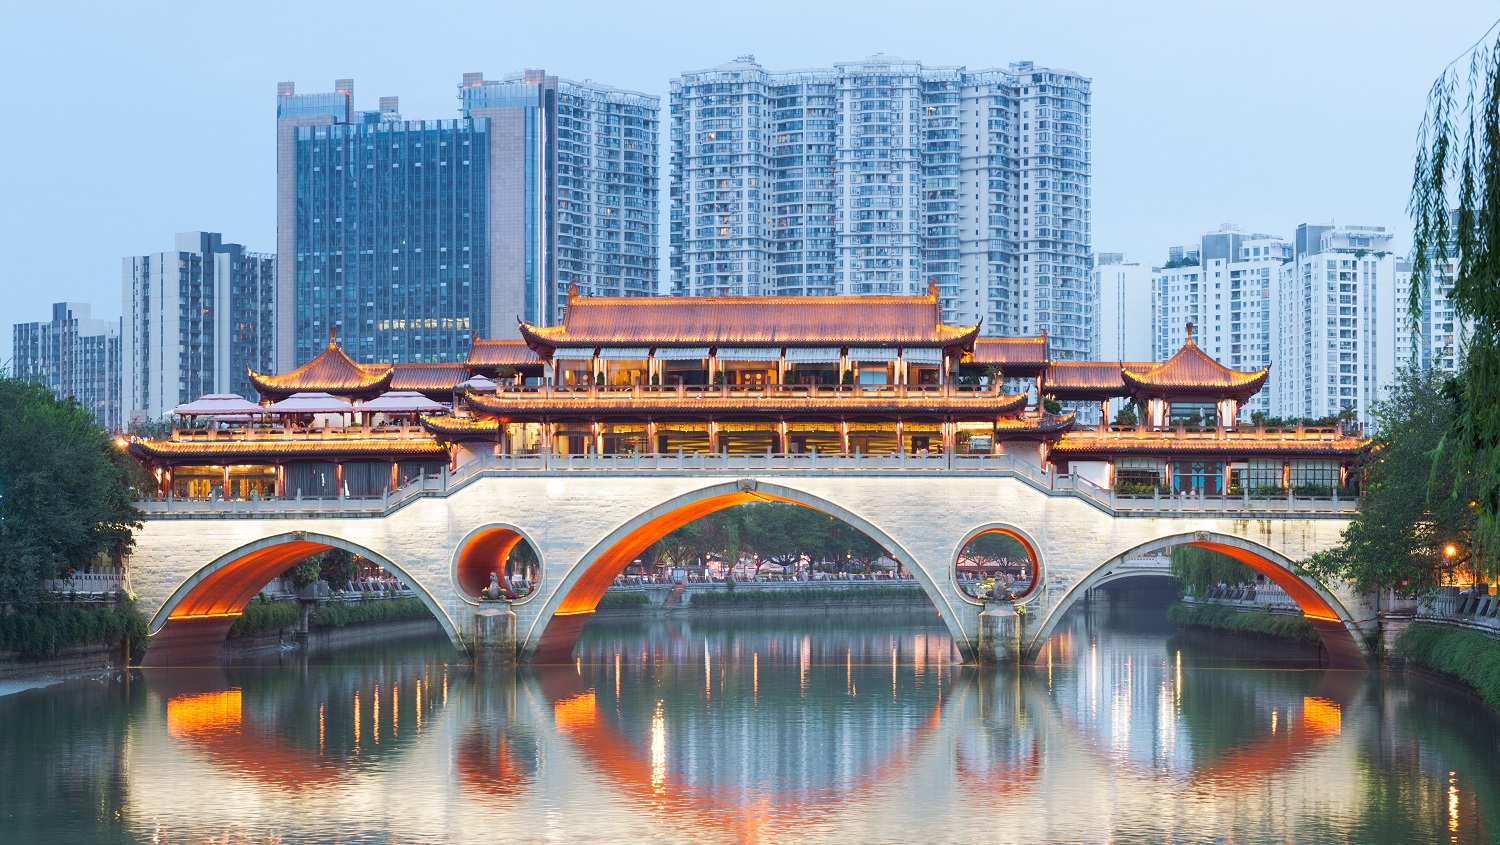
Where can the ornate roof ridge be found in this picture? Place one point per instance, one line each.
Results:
(330, 371)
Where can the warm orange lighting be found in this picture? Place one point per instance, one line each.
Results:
(209, 713)
(1450, 550)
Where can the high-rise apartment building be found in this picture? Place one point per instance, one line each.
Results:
(75, 356)
(1223, 285)
(1334, 308)
(1125, 316)
(1437, 340)
(414, 236)
(195, 319)
(886, 176)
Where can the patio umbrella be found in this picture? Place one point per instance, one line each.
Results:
(311, 403)
(219, 405)
(400, 402)
(479, 384)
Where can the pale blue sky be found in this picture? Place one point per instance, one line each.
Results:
(130, 122)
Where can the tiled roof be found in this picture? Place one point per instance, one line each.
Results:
(502, 353)
(224, 451)
(1191, 369)
(460, 427)
(518, 406)
(1091, 443)
(429, 378)
(332, 371)
(1086, 379)
(751, 321)
(1010, 352)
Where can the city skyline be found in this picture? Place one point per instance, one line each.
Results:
(1309, 162)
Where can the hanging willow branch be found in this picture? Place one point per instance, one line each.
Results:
(1455, 206)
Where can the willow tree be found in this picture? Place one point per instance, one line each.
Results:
(1455, 205)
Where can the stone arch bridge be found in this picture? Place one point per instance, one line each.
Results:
(196, 564)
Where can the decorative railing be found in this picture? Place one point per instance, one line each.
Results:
(1299, 434)
(1008, 465)
(1463, 606)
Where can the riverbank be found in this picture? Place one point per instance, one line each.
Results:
(61, 640)
(1250, 622)
(751, 598)
(268, 627)
(1468, 658)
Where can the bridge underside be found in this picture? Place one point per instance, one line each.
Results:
(195, 574)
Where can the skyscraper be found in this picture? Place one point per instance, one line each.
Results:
(1223, 285)
(414, 236)
(885, 176)
(1334, 311)
(194, 319)
(1438, 339)
(1125, 316)
(75, 356)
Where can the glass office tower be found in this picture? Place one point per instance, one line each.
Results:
(412, 237)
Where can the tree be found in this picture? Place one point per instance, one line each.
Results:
(1417, 494)
(65, 490)
(1458, 158)
(338, 567)
(993, 547)
(1202, 569)
(1126, 415)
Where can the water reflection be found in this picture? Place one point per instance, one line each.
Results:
(757, 732)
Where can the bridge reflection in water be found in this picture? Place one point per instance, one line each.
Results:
(759, 732)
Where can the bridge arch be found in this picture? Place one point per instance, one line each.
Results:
(484, 550)
(1336, 626)
(190, 626)
(1033, 550)
(553, 631)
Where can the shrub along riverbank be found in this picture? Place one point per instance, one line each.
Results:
(804, 595)
(1255, 622)
(50, 629)
(269, 616)
(1472, 657)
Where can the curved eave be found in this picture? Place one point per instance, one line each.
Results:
(1240, 385)
(694, 406)
(1083, 445)
(545, 341)
(454, 429)
(262, 451)
(280, 387)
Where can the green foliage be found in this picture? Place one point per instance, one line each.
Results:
(1126, 488)
(804, 595)
(1201, 569)
(1471, 656)
(270, 616)
(1051, 406)
(266, 616)
(1458, 153)
(848, 378)
(305, 573)
(624, 598)
(778, 532)
(65, 490)
(338, 615)
(1126, 415)
(49, 628)
(1398, 537)
(1261, 622)
(338, 567)
(994, 546)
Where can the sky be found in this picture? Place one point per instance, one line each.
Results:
(131, 122)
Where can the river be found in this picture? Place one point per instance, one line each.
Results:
(759, 730)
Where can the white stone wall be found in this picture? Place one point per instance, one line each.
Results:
(571, 520)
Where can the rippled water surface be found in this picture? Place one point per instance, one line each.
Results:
(758, 730)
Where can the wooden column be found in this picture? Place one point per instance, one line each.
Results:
(598, 432)
(651, 436)
(900, 436)
(844, 436)
(224, 485)
(281, 480)
(338, 479)
(713, 436)
(395, 478)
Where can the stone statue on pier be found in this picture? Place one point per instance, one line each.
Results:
(493, 592)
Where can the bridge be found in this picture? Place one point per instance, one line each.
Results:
(196, 564)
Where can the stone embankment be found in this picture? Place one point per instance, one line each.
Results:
(763, 597)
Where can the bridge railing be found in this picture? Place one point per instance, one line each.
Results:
(1010, 464)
